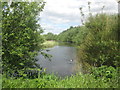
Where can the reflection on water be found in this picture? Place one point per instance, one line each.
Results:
(63, 61)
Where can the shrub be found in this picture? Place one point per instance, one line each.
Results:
(20, 37)
(100, 46)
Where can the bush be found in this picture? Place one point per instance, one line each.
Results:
(100, 46)
(104, 71)
(20, 37)
(103, 77)
(103, 53)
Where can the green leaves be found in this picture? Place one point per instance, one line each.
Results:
(107, 79)
(20, 43)
(105, 72)
(101, 42)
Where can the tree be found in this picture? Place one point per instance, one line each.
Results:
(21, 39)
(50, 36)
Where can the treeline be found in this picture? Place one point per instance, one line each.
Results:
(50, 36)
(74, 35)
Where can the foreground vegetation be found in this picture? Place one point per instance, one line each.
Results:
(101, 77)
(97, 40)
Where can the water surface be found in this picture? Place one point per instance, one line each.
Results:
(63, 60)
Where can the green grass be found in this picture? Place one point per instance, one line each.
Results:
(48, 44)
(52, 81)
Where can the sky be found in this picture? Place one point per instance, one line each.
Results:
(59, 15)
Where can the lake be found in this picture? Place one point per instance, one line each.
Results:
(63, 61)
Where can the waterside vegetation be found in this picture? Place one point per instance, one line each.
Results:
(49, 44)
(102, 77)
(97, 40)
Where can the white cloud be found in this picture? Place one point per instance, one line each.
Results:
(52, 28)
(66, 12)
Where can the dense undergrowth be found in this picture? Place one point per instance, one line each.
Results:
(102, 77)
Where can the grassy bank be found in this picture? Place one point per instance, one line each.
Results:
(103, 77)
(48, 44)
(49, 81)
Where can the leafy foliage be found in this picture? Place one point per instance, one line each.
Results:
(101, 43)
(73, 34)
(50, 36)
(21, 34)
(104, 71)
(103, 77)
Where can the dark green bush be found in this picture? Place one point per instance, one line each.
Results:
(104, 71)
(103, 53)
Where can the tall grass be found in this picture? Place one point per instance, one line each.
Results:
(79, 80)
(100, 46)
